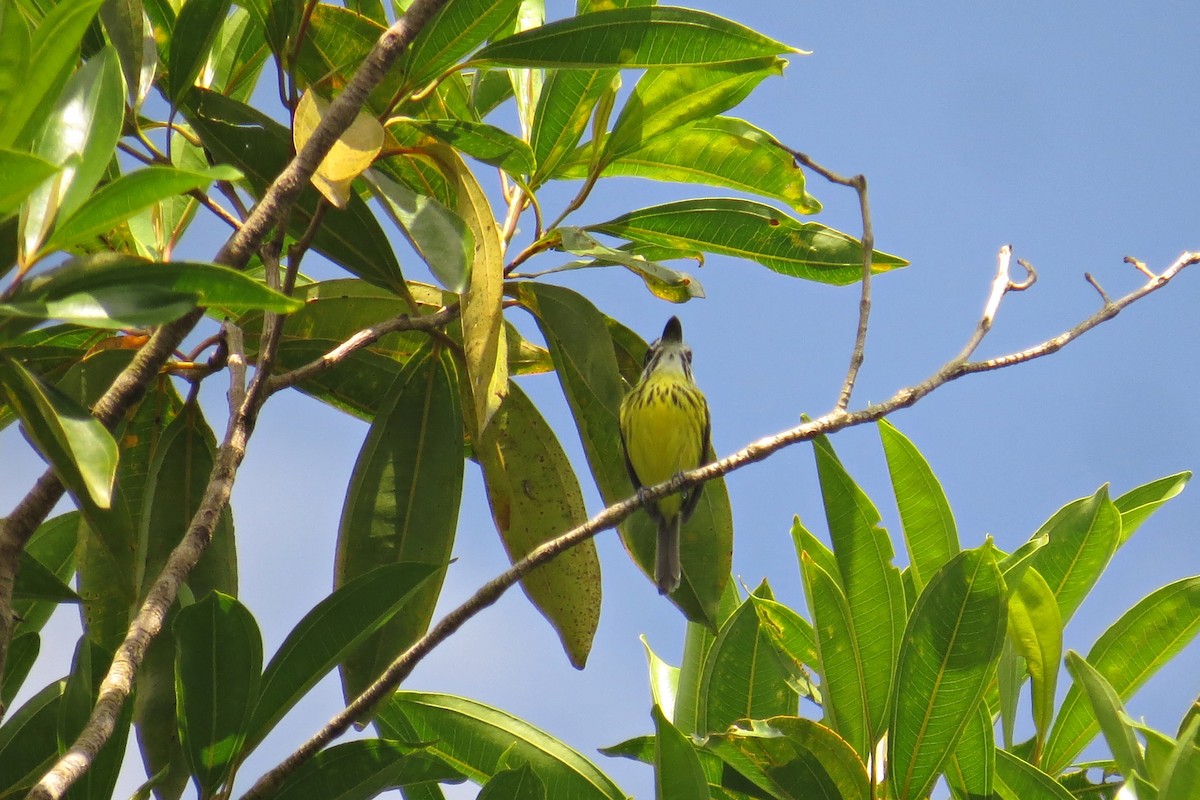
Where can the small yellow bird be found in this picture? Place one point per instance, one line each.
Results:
(665, 427)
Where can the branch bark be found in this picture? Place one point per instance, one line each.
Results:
(835, 420)
(268, 214)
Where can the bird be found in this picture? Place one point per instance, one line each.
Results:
(665, 428)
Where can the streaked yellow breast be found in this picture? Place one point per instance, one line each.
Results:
(663, 421)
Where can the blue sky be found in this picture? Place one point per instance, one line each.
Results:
(1068, 131)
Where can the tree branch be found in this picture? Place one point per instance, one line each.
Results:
(833, 421)
(267, 214)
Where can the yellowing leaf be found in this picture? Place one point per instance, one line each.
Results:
(352, 153)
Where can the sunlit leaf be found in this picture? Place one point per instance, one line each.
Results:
(439, 235)
(350, 155)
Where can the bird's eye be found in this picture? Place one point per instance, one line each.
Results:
(649, 355)
(687, 356)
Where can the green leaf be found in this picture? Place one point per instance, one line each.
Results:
(455, 30)
(562, 113)
(971, 769)
(1180, 779)
(439, 235)
(333, 628)
(37, 582)
(79, 136)
(29, 739)
(52, 546)
(1138, 504)
(794, 644)
(108, 290)
(521, 783)
(1036, 630)
(666, 99)
(1106, 706)
(133, 39)
(278, 19)
(82, 452)
(741, 680)
(793, 759)
(480, 141)
(481, 741)
(54, 48)
(843, 681)
(697, 643)
(1132, 649)
(237, 57)
(872, 586)
(586, 365)
(721, 151)
(336, 41)
(88, 669)
(22, 652)
(218, 662)
(196, 30)
(664, 681)
(947, 659)
(677, 771)
(20, 174)
(1083, 536)
(750, 230)
(535, 497)
(361, 770)
(632, 37)
(1019, 780)
(127, 195)
(260, 147)
(402, 503)
(929, 529)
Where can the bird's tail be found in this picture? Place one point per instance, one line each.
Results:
(667, 568)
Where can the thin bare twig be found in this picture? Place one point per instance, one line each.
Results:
(834, 420)
(267, 214)
(859, 184)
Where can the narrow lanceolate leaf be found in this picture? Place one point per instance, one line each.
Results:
(632, 37)
(218, 663)
(666, 99)
(82, 452)
(457, 29)
(929, 530)
(361, 770)
(565, 105)
(29, 739)
(52, 546)
(971, 770)
(123, 22)
(129, 194)
(750, 230)
(1145, 638)
(720, 151)
(741, 679)
(535, 497)
(20, 174)
(481, 741)
(79, 136)
(333, 628)
(843, 683)
(585, 362)
(1083, 536)
(1019, 780)
(1116, 726)
(480, 141)
(1035, 630)
(1181, 775)
(521, 783)
(439, 235)
(872, 586)
(664, 681)
(260, 147)
(677, 771)
(793, 759)
(663, 282)
(794, 643)
(22, 652)
(107, 290)
(482, 309)
(35, 581)
(195, 31)
(947, 659)
(53, 49)
(1138, 504)
(402, 504)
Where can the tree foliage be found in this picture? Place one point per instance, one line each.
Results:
(122, 121)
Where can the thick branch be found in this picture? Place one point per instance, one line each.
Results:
(835, 420)
(269, 213)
